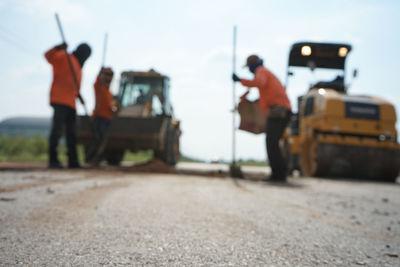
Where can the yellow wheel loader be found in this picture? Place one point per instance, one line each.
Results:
(145, 120)
(336, 134)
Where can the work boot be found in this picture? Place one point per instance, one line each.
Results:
(55, 165)
(75, 165)
(274, 179)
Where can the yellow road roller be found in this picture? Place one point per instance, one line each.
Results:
(335, 134)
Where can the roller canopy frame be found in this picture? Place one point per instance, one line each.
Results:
(323, 55)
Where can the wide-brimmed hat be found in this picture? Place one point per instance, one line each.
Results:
(251, 59)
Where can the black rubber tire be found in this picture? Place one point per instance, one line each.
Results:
(285, 150)
(306, 162)
(391, 176)
(172, 147)
(312, 163)
(170, 154)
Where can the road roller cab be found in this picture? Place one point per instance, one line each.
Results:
(336, 134)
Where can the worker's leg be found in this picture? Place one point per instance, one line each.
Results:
(275, 129)
(58, 122)
(71, 138)
(91, 150)
(101, 128)
(101, 125)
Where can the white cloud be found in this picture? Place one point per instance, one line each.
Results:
(27, 90)
(3, 4)
(28, 71)
(68, 11)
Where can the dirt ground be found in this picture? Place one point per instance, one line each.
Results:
(150, 214)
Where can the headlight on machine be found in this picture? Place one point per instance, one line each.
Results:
(305, 50)
(343, 52)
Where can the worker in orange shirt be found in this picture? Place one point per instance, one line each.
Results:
(63, 93)
(275, 104)
(102, 114)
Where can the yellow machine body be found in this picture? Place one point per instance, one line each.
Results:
(336, 134)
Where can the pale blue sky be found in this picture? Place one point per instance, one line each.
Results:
(191, 41)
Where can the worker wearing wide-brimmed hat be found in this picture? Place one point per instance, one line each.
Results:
(275, 104)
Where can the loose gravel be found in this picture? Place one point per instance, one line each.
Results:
(95, 218)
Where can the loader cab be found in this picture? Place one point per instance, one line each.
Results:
(144, 94)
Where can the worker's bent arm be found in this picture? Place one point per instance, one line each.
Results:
(259, 81)
(248, 83)
(52, 55)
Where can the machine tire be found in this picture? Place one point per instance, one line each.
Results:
(390, 177)
(170, 154)
(333, 160)
(391, 174)
(305, 159)
(114, 157)
(309, 161)
(392, 170)
(285, 150)
(173, 147)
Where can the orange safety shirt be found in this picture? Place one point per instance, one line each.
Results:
(64, 89)
(270, 88)
(104, 100)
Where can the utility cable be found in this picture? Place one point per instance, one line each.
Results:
(15, 44)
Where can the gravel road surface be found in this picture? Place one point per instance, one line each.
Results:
(114, 217)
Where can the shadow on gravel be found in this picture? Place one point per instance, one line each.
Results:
(283, 185)
(288, 184)
(157, 166)
(360, 180)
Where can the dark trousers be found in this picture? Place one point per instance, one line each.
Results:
(101, 126)
(275, 128)
(64, 117)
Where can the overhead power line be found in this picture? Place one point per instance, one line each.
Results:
(12, 39)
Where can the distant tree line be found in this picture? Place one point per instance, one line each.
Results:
(25, 126)
(22, 148)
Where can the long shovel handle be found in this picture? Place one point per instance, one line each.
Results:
(234, 97)
(100, 93)
(104, 50)
(234, 169)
